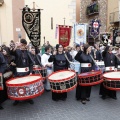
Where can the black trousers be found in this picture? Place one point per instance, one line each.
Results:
(83, 92)
(105, 92)
(3, 93)
(59, 96)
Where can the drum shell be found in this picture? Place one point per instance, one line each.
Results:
(111, 83)
(63, 85)
(26, 90)
(90, 78)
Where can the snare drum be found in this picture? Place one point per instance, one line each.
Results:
(62, 81)
(1, 81)
(112, 80)
(90, 78)
(23, 88)
(42, 71)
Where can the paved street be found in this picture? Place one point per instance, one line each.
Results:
(46, 109)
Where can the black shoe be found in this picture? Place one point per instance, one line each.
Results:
(15, 102)
(1, 108)
(83, 101)
(47, 90)
(115, 98)
(87, 99)
(103, 97)
(31, 102)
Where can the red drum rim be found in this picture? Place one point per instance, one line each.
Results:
(1, 88)
(61, 80)
(91, 84)
(89, 74)
(21, 84)
(25, 98)
(111, 88)
(109, 79)
(66, 90)
(43, 68)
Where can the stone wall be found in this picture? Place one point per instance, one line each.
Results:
(102, 13)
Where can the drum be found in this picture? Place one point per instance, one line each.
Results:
(23, 88)
(8, 75)
(62, 81)
(112, 80)
(1, 81)
(90, 78)
(42, 71)
(75, 66)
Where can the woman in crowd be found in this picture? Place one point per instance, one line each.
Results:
(84, 57)
(110, 62)
(59, 63)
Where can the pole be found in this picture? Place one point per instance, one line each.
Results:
(64, 21)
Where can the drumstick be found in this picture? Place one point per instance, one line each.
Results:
(94, 61)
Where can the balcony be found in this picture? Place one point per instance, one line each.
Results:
(114, 17)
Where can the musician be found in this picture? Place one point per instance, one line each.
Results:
(48, 65)
(10, 60)
(3, 93)
(83, 92)
(59, 63)
(23, 62)
(36, 58)
(110, 62)
(118, 58)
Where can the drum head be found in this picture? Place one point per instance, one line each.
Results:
(112, 75)
(22, 80)
(61, 75)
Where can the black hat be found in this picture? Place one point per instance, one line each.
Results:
(23, 41)
(57, 46)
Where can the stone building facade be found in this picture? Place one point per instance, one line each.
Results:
(102, 13)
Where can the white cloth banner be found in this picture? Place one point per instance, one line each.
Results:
(80, 33)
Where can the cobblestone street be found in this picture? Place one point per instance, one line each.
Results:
(46, 109)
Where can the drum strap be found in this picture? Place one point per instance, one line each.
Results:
(39, 61)
(71, 63)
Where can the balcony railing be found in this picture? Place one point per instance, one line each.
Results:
(114, 17)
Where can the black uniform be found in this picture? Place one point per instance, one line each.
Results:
(23, 60)
(59, 63)
(3, 65)
(83, 92)
(109, 60)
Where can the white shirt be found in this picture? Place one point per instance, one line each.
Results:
(44, 60)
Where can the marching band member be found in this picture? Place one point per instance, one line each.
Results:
(3, 93)
(110, 62)
(48, 65)
(10, 60)
(23, 62)
(59, 63)
(83, 56)
(118, 58)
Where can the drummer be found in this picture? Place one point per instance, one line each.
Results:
(24, 63)
(36, 58)
(59, 63)
(3, 93)
(110, 62)
(83, 92)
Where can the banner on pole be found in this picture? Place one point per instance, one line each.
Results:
(31, 24)
(80, 33)
(64, 35)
